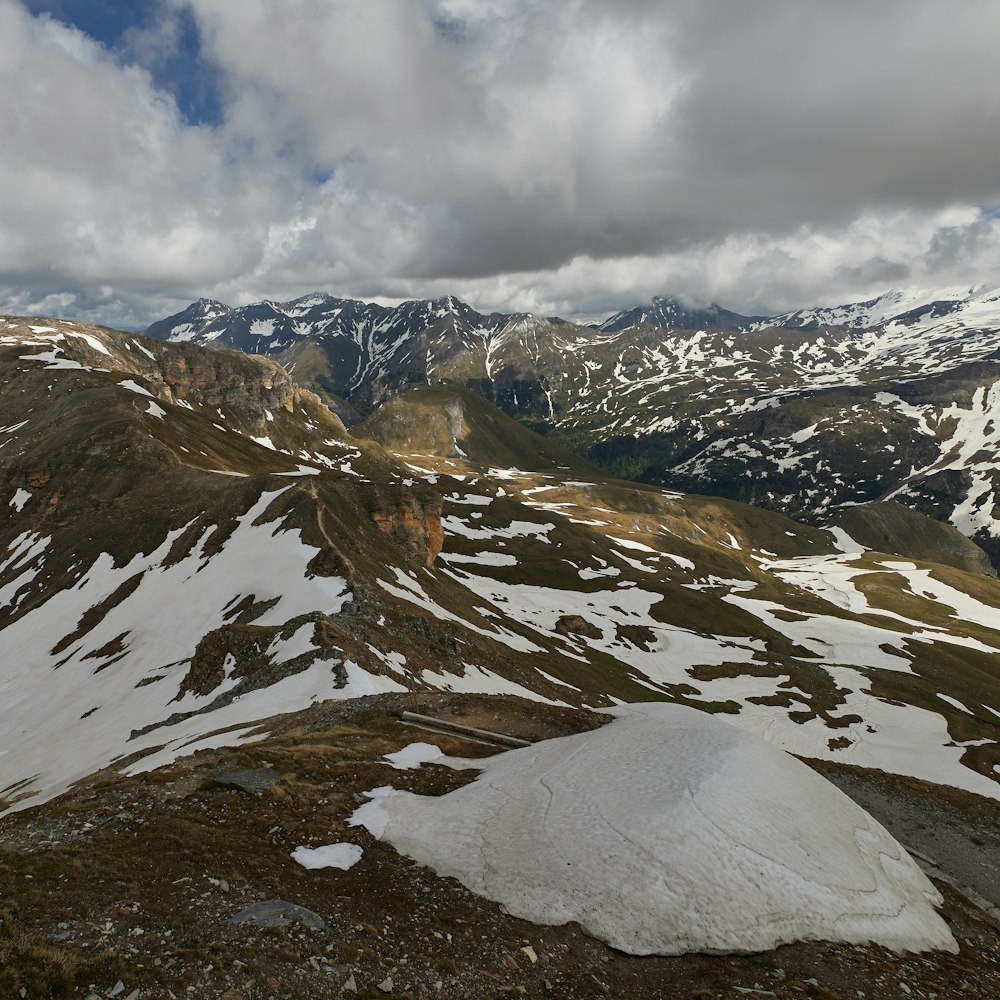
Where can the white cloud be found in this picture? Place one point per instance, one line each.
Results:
(103, 182)
(567, 157)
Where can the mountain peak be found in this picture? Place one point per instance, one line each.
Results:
(204, 303)
(673, 313)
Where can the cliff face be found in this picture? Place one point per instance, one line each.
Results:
(222, 380)
(416, 524)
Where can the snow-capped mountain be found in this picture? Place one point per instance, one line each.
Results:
(899, 304)
(808, 413)
(193, 544)
(359, 351)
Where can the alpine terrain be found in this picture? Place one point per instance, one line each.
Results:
(891, 401)
(225, 577)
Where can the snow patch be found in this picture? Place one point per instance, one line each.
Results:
(19, 499)
(668, 831)
(133, 386)
(413, 755)
(342, 856)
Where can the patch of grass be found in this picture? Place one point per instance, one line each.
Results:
(348, 953)
(30, 962)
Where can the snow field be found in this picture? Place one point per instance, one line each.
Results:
(668, 831)
(903, 739)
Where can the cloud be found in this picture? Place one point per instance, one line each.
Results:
(567, 157)
(102, 180)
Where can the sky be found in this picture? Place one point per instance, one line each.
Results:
(567, 158)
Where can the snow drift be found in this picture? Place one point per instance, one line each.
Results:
(668, 831)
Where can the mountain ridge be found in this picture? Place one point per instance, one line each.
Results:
(788, 412)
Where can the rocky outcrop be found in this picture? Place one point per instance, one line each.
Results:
(243, 653)
(224, 379)
(577, 625)
(415, 523)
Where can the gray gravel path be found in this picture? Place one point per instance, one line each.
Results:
(959, 831)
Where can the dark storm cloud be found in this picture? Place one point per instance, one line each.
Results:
(875, 269)
(781, 115)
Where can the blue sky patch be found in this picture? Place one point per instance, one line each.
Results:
(180, 68)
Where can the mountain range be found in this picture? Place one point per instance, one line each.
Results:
(810, 413)
(195, 542)
(222, 591)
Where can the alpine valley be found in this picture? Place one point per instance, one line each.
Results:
(253, 538)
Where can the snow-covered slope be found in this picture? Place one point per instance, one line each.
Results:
(192, 543)
(668, 832)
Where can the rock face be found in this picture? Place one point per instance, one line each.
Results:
(416, 524)
(225, 380)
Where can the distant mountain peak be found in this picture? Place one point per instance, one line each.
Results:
(674, 313)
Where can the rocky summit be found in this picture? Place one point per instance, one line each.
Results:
(210, 569)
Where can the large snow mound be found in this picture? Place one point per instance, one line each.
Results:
(669, 831)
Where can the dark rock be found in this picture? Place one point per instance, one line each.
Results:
(253, 781)
(577, 625)
(278, 913)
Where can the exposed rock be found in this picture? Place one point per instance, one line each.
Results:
(416, 524)
(577, 625)
(224, 380)
(253, 781)
(278, 913)
(249, 650)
